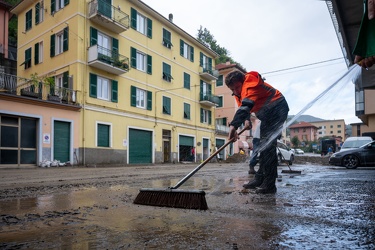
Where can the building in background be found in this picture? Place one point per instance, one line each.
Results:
(304, 131)
(330, 128)
(118, 81)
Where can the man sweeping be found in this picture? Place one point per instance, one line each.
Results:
(252, 94)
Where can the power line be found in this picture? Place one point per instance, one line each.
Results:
(301, 66)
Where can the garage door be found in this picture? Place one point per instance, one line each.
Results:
(140, 146)
(61, 141)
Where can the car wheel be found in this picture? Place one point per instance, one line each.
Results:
(291, 160)
(350, 161)
(279, 160)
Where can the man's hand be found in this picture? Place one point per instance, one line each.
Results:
(233, 133)
(248, 125)
(365, 62)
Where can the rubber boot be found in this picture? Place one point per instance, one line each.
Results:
(256, 182)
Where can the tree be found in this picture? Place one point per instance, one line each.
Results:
(295, 141)
(206, 38)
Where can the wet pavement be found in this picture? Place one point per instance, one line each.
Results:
(324, 207)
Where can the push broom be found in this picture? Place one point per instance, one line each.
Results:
(178, 198)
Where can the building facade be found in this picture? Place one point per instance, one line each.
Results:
(331, 128)
(145, 87)
(304, 131)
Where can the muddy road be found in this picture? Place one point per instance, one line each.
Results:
(325, 207)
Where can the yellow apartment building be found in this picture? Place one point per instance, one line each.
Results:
(330, 128)
(142, 86)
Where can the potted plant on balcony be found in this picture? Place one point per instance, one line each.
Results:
(34, 88)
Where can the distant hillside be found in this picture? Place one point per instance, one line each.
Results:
(306, 118)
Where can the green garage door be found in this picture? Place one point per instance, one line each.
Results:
(61, 141)
(140, 146)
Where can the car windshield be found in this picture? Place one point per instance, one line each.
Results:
(354, 144)
(366, 144)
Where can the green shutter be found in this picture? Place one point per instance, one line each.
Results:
(149, 28)
(181, 47)
(209, 89)
(53, 5)
(93, 36)
(209, 117)
(201, 59)
(149, 100)
(186, 80)
(133, 17)
(201, 90)
(114, 91)
(66, 39)
(166, 105)
(37, 8)
(225, 121)
(103, 135)
(192, 53)
(52, 48)
(66, 2)
(93, 85)
(149, 64)
(66, 79)
(36, 57)
(186, 111)
(133, 57)
(219, 81)
(133, 96)
(115, 47)
(29, 19)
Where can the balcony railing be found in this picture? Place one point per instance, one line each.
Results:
(108, 60)
(208, 99)
(207, 73)
(222, 129)
(108, 16)
(12, 84)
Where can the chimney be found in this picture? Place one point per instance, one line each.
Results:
(171, 17)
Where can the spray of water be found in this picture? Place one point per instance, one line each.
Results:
(349, 76)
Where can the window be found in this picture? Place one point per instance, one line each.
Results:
(38, 53)
(140, 98)
(206, 63)
(331, 126)
(331, 132)
(103, 88)
(186, 81)
(186, 51)
(205, 116)
(141, 23)
(339, 131)
(29, 20)
(27, 61)
(103, 135)
(205, 91)
(39, 12)
(167, 72)
(167, 38)
(304, 130)
(141, 61)
(220, 104)
(296, 130)
(187, 111)
(58, 4)
(59, 42)
(219, 81)
(166, 105)
(339, 125)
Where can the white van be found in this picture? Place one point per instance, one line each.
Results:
(355, 142)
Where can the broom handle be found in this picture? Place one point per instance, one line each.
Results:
(183, 180)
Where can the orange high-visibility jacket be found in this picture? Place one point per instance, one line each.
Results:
(258, 91)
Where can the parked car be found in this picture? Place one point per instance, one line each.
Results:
(284, 153)
(355, 142)
(352, 158)
(299, 151)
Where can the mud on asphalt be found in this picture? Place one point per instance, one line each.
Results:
(325, 207)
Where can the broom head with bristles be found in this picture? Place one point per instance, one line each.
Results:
(176, 198)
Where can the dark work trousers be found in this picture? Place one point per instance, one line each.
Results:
(270, 130)
(254, 156)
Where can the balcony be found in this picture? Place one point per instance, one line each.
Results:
(31, 89)
(222, 129)
(108, 60)
(108, 16)
(207, 73)
(208, 99)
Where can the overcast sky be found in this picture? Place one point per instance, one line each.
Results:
(273, 35)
